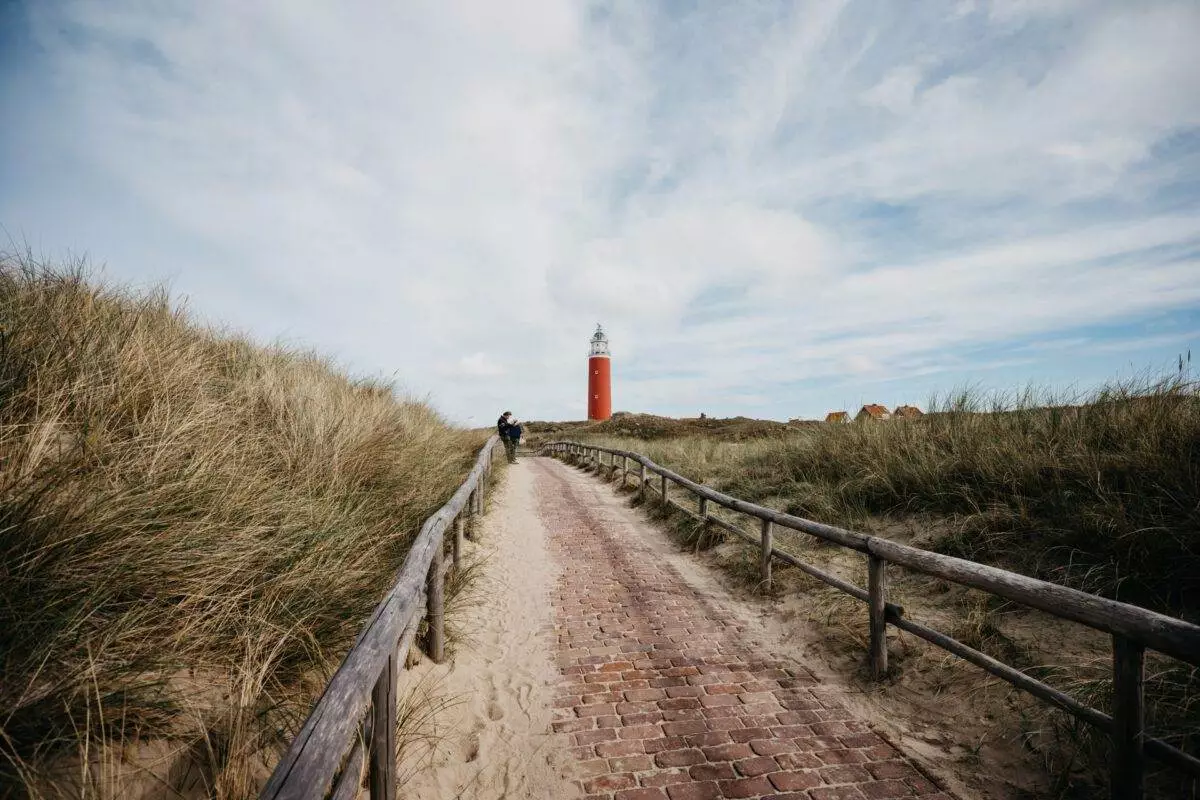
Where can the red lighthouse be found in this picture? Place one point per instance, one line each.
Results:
(599, 403)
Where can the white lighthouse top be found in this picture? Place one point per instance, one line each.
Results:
(599, 343)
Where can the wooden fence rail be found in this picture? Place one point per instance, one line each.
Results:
(354, 722)
(1133, 629)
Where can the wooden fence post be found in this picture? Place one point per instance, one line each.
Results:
(877, 591)
(469, 513)
(382, 770)
(624, 470)
(436, 585)
(664, 490)
(1128, 720)
(642, 484)
(460, 525)
(765, 556)
(703, 509)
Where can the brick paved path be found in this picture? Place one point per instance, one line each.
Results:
(661, 697)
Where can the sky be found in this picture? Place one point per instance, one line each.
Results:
(777, 209)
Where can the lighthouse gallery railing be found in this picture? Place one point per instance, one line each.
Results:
(1133, 629)
(354, 722)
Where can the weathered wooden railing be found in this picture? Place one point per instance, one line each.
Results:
(1133, 629)
(355, 719)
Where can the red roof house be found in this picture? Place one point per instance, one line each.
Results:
(872, 411)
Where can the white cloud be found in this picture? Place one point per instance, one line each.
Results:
(1024, 10)
(748, 196)
(859, 362)
(897, 90)
(476, 365)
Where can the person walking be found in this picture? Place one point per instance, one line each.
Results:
(510, 435)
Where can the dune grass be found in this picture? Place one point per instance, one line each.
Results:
(1100, 492)
(192, 530)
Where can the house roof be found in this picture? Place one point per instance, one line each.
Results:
(908, 411)
(875, 410)
(837, 416)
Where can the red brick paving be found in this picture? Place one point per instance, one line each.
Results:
(662, 699)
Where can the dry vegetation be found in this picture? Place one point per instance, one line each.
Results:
(1102, 493)
(192, 530)
(649, 427)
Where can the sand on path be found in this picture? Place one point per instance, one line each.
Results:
(599, 657)
(494, 739)
(671, 688)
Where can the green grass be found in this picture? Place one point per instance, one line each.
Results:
(192, 530)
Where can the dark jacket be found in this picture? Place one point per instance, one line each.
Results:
(503, 428)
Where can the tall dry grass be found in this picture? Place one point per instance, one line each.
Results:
(1100, 492)
(192, 530)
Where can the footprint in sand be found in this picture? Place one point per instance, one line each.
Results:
(494, 711)
(471, 749)
(524, 692)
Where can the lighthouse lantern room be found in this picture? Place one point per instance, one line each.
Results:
(599, 403)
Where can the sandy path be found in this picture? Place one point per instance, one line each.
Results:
(495, 741)
(671, 690)
(656, 683)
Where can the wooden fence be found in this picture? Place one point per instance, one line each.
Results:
(354, 722)
(1133, 629)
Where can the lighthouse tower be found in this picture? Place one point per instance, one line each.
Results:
(599, 403)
